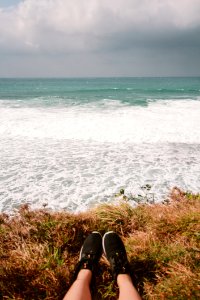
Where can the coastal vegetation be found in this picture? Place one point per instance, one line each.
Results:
(39, 249)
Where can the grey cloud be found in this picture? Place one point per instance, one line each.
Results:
(101, 37)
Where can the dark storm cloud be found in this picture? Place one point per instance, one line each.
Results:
(113, 38)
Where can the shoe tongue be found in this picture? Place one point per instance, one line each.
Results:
(86, 263)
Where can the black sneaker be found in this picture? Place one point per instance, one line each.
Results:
(90, 253)
(115, 252)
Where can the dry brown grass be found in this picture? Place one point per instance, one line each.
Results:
(38, 249)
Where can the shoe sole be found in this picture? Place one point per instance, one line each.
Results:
(82, 246)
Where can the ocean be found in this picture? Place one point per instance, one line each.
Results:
(73, 143)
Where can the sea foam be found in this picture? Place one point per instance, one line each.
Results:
(74, 156)
(159, 122)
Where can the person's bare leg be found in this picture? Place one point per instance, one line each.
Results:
(115, 253)
(86, 267)
(80, 289)
(127, 291)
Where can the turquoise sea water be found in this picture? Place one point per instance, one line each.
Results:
(135, 91)
(75, 142)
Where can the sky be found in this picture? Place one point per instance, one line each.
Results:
(65, 38)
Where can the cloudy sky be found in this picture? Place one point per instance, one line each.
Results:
(99, 38)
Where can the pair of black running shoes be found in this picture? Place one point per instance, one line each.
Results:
(113, 248)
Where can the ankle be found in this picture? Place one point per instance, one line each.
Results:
(123, 278)
(85, 274)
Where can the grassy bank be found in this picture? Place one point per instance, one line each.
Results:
(38, 249)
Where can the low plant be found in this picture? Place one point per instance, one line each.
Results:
(39, 249)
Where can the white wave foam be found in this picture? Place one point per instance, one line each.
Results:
(73, 175)
(75, 156)
(175, 121)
